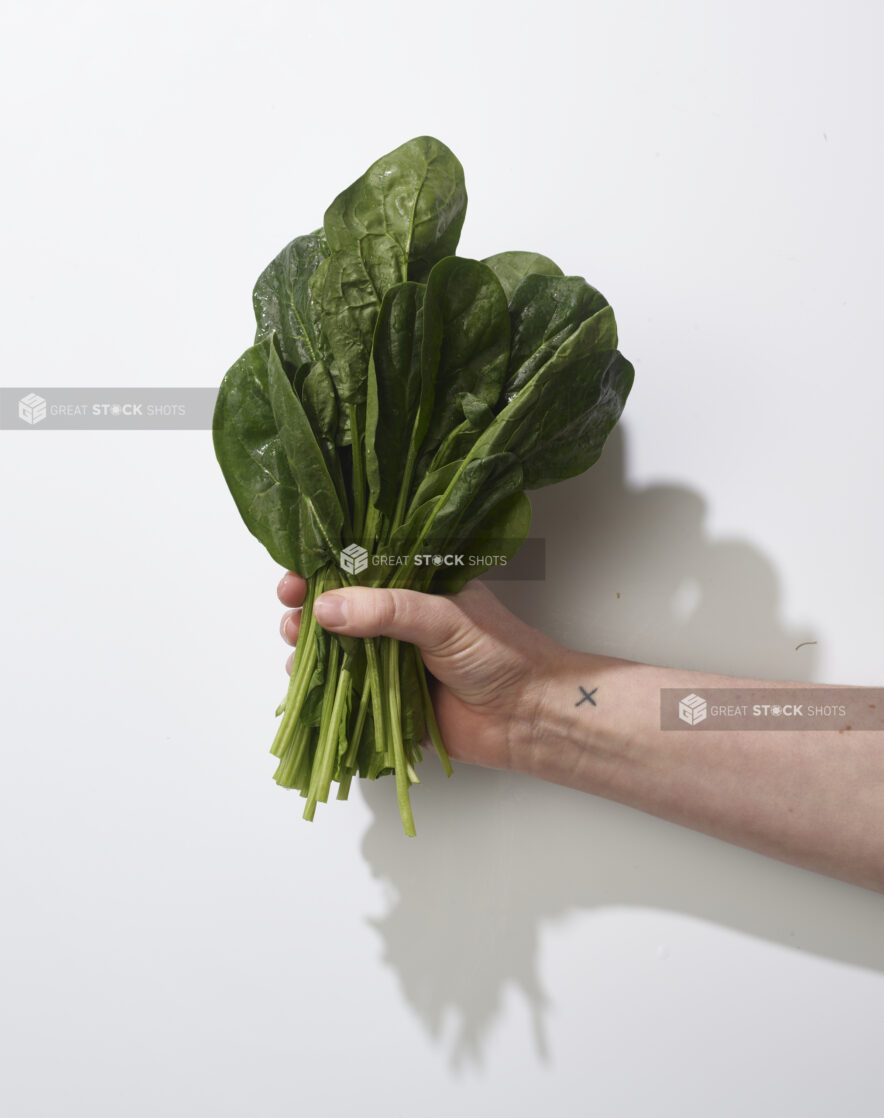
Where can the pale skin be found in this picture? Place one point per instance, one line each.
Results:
(504, 698)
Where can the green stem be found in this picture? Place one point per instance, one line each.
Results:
(440, 458)
(403, 776)
(370, 529)
(290, 772)
(373, 671)
(348, 763)
(301, 776)
(430, 714)
(358, 473)
(330, 757)
(302, 669)
(402, 502)
(329, 700)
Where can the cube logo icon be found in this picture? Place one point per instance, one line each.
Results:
(692, 709)
(32, 408)
(354, 559)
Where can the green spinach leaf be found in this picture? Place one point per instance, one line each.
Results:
(512, 267)
(544, 311)
(249, 449)
(396, 385)
(284, 303)
(408, 207)
(466, 344)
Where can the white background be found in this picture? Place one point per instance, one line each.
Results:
(175, 940)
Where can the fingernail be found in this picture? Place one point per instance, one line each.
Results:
(330, 611)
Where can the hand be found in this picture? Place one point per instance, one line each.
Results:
(490, 668)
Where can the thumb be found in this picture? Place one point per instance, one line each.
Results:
(432, 622)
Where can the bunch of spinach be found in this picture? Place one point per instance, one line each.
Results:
(402, 398)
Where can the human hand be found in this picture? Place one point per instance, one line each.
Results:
(490, 668)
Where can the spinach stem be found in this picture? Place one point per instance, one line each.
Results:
(349, 761)
(323, 761)
(358, 473)
(373, 671)
(370, 530)
(440, 458)
(302, 669)
(430, 714)
(289, 771)
(329, 765)
(402, 502)
(403, 775)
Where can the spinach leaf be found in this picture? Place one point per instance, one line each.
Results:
(432, 486)
(477, 413)
(407, 208)
(396, 385)
(544, 310)
(459, 440)
(284, 303)
(557, 423)
(389, 226)
(321, 516)
(476, 487)
(249, 449)
(319, 399)
(500, 533)
(579, 440)
(317, 394)
(512, 267)
(349, 302)
(466, 344)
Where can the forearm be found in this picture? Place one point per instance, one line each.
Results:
(815, 799)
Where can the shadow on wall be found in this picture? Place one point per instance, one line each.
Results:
(499, 854)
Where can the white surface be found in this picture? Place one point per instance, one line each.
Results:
(174, 939)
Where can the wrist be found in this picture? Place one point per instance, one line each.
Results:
(566, 734)
(541, 733)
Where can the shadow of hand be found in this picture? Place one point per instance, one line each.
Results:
(499, 855)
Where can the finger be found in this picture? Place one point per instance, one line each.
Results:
(289, 626)
(432, 622)
(292, 589)
(289, 662)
